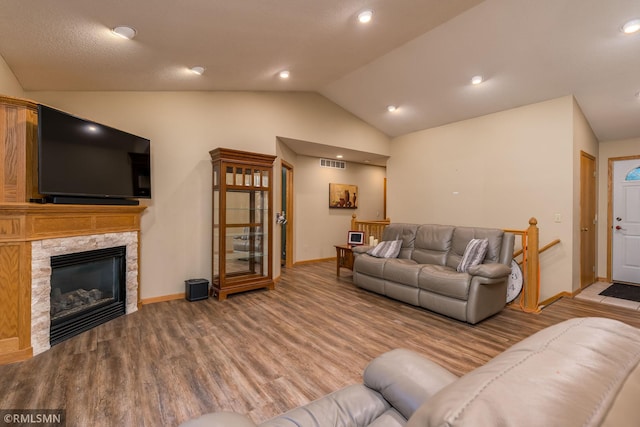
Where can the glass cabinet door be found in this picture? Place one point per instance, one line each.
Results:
(247, 246)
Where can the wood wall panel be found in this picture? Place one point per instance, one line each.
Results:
(59, 226)
(9, 289)
(9, 345)
(116, 222)
(24, 297)
(17, 148)
(11, 228)
(31, 156)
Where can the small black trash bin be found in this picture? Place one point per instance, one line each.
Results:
(196, 289)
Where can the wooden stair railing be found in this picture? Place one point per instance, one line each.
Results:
(370, 228)
(530, 265)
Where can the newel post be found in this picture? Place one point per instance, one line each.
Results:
(532, 286)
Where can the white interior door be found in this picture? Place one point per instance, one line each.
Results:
(626, 221)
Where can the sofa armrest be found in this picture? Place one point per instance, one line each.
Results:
(406, 379)
(220, 419)
(490, 271)
(362, 249)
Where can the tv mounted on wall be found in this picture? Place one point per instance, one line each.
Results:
(80, 161)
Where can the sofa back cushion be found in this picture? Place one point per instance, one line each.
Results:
(432, 244)
(404, 232)
(575, 373)
(463, 235)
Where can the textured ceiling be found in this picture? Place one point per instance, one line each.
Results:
(418, 54)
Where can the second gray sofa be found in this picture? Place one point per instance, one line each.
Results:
(425, 271)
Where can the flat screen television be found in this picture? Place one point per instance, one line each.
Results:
(80, 161)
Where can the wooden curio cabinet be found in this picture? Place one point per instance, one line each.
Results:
(242, 212)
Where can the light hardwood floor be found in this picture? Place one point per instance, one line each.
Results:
(258, 353)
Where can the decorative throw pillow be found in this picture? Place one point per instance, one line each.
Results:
(473, 254)
(386, 249)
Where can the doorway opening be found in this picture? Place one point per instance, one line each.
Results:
(286, 236)
(623, 220)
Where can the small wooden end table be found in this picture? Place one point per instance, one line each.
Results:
(344, 258)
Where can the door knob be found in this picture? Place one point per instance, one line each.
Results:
(584, 229)
(618, 227)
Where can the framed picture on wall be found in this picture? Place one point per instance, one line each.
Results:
(343, 196)
(355, 238)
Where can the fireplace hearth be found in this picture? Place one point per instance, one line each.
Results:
(87, 289)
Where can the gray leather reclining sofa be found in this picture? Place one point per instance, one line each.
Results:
(582, 372)
(425, 272)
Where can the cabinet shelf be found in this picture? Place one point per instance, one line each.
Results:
(242, 211)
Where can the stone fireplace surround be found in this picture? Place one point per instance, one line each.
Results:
(41, 253)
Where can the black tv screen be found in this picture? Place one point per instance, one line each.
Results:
(81, 158)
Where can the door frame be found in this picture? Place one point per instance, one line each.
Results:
(589, 230)
(289, 215)
(612, 160)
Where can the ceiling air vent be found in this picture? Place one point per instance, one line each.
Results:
(335, 164)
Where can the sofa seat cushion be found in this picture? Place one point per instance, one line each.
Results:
(355, 405)
(444, 281)
(403, 271)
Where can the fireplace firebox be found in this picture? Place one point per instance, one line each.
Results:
(87, 289)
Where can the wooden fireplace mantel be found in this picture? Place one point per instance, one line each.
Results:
(34, 221)
(22, 222)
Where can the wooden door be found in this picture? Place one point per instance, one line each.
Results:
(587, 219)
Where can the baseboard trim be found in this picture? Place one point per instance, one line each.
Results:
(555, 298)
(312, 261)
(153, 300)
(16, 356)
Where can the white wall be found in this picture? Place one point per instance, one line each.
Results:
(608, 150)
(583, 140)
(494, 162)
(324, 227)
(9, 85)
(317, 228)
(183, 127)
(505, 168)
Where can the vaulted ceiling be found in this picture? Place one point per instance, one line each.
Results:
(416, 54)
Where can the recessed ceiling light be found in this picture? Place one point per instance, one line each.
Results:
(365, 16)
(391, 108)
(197, 70)
(631, 26)
(476, 80)
(124, 32)
(339, 156)
(284, 74)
